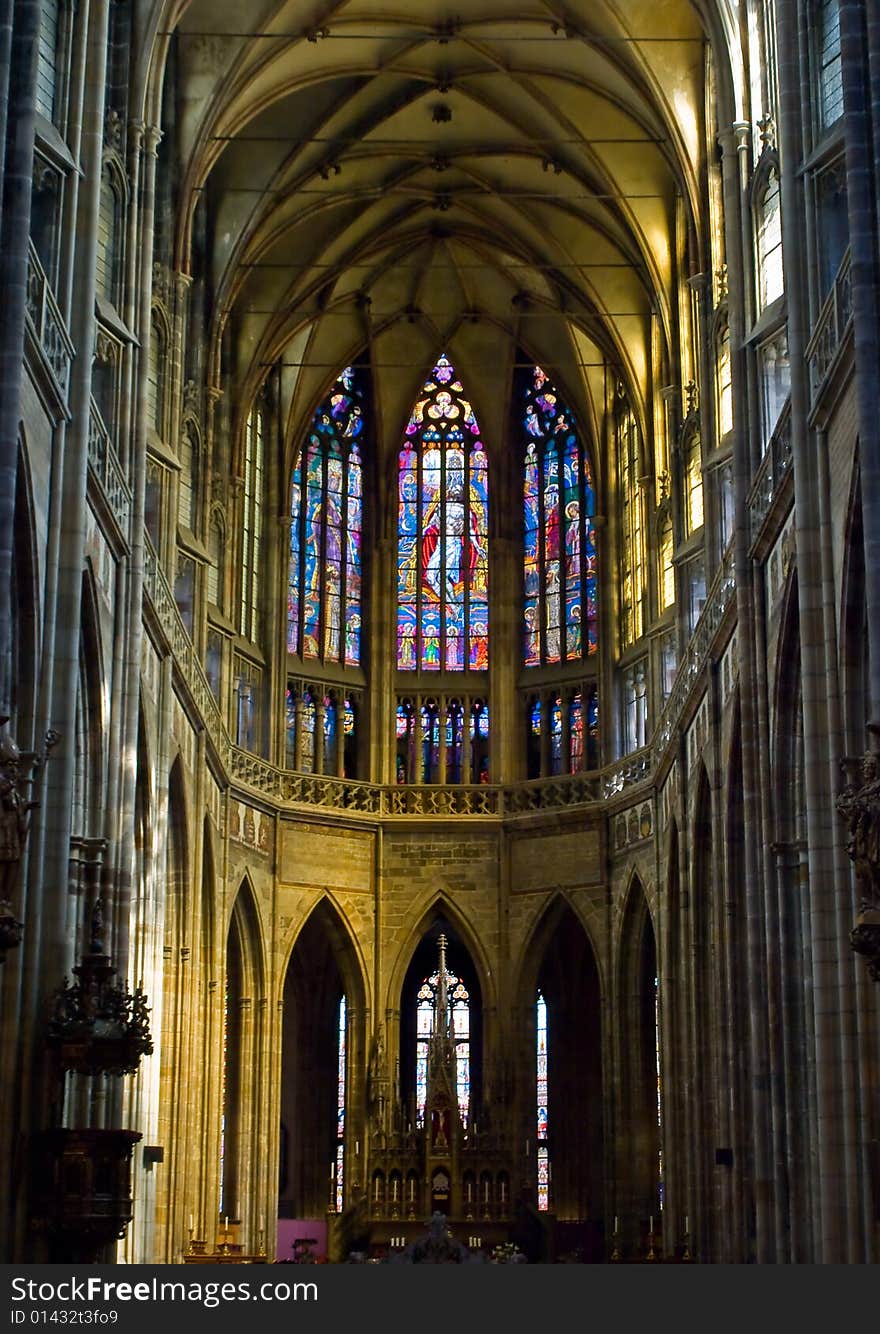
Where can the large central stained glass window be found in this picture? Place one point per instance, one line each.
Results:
(442, 555)
(326, 524)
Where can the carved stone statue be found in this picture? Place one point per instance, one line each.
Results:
(859, 805)
(377, 1090)
(13, 817)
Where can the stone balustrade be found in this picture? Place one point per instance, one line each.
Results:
(47, 325)
(831, 329)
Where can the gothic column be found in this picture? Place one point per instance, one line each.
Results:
(860, 45)
(298, 711)
(14, 245)
(838, 1159)
(442, 706)
(546, 698)
(339, 759)
(320, 723)
(754, 1122)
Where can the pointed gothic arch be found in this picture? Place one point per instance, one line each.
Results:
(853, 634)
(702, 998)
(323, 1050)
(415, 994)
(639, 1137)
(561, 964)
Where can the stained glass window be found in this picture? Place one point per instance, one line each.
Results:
(340, 1109)
(458, 1013)
(252, 524)
(830, 63)
(632, 564)
(576, 732)
(543, 1121)
(326, 528)
(694, 483)
(560, 539)
(442, 553)
(771, 283)
(667, 569)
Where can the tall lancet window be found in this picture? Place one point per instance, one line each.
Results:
(543, 1120)
(442, 551)
(326, 527)
(429, 1006)
(339, 1164)
(560, 540)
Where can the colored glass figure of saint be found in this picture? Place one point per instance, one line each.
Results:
(442, 532)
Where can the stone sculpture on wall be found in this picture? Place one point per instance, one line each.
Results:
(859, 805)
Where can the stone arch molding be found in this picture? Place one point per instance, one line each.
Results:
(544, 923)
(441, 905)
(347, 943)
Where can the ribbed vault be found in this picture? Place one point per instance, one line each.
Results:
(380, 182)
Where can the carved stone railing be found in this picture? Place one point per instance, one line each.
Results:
(373, 800)
(634, 769)
(831, 328)
(49, 328)
(720, 596)
(158, 590)
(545, 794)
(350, 796)
(107, 469)
(439, 800)
(773, 468)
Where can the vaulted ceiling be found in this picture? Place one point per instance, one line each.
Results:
(386, 181)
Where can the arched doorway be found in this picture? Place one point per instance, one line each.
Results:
(560, 1013)
(321, 1130)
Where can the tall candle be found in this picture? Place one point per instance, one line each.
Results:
(615, 1222)
(686, 1223)
(651, 1224)
(412, 1189)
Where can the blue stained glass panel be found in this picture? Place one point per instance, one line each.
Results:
(558, 537)
(324, 613)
